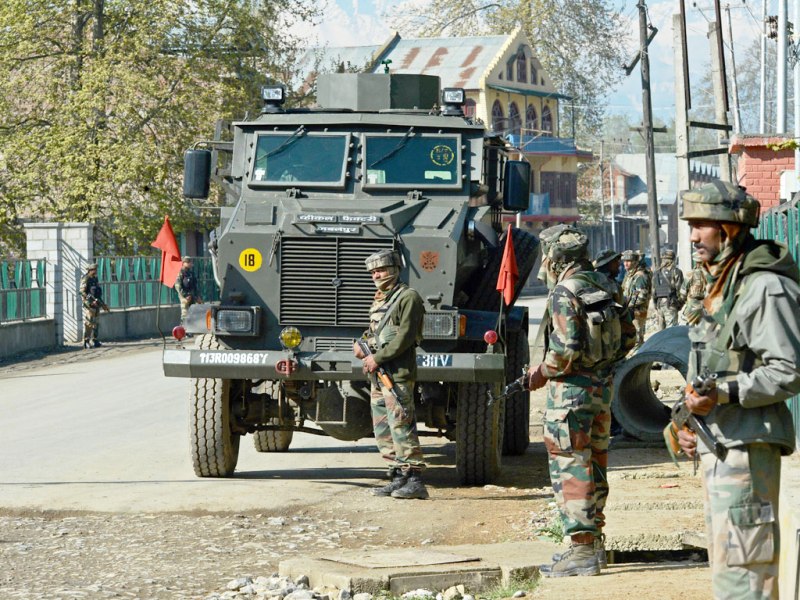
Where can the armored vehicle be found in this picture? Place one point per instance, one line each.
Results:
(310, 193)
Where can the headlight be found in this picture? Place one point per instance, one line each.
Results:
(439, 325)
(291, 338)
(235, 321)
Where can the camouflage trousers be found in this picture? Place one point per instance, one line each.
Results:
(741, 507)
(576, 431)
(91, 323)
(185, 304)
(667, 313)
(640, 324)
(395, 427)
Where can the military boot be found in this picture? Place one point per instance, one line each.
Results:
(86, 344)
(413, 488)
(398, 480)
(96, 344)
(579, 559)
(599, 549)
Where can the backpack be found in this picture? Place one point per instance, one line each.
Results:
(662, 287)
(603, 342)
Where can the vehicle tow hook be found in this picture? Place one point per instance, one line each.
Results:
(286, 367)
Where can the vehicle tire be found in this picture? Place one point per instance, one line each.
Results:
(215, 447)
(273, 441)
(479, 435)
(516, 435)
(484, 287)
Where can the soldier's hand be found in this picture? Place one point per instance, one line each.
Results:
(700, 405)
(357, 350)
(688, 442)
(370, 366)
(536, 378)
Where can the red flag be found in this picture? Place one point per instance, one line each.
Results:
(507, 279)
(170, 255)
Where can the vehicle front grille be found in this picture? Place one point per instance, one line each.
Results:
(324, 280)
(323, 344)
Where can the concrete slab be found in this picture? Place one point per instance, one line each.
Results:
(398, 571)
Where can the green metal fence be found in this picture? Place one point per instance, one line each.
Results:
(782, 223)
(22, 290)
(131, 281)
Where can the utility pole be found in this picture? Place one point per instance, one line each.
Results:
(762, 109)
(737, 117)
(647, 125)
(796, 84)
(720, 87)
(602, 198)
(684, 249)
(780, 125)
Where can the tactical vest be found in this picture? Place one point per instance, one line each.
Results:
(663, 284)
(602, 339)
(382, 328)
(188, 281)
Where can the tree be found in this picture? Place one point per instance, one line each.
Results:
(99, 99)
(578, 42)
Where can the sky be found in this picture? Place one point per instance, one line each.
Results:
(369, 18)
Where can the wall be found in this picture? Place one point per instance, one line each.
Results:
(760, 167)
(25, 336)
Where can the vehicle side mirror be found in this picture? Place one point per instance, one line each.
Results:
(516, 185)
(196, 173)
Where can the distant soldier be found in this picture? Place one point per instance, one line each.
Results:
(694, 292)
(92, 297)
(395, 329)
(667, 284)
(186, 286)
(636, 291)
(608, 263)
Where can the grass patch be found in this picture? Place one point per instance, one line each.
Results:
(554, 529)
(524, 584)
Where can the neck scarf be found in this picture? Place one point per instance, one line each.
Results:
(719, 300)
(386, 283)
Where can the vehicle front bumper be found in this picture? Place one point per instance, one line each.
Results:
(324, 366)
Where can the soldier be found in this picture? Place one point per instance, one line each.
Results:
(186, 286)
(584, 340)
(636, 292)
(395, 330)
(749, 339)
(693, 294)
(92, 297)
(667, 285)
(608, 263)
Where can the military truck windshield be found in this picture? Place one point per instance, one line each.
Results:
(423, 160)
(300, 158)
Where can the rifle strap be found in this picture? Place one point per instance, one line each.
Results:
(393, 301)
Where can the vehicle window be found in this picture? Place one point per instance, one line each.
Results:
(300, 157)
(412, 158)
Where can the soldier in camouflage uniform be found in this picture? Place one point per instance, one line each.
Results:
(749, 338)
(636, 291)
(578, 375)
(607, 262)
(667, 285)
(693, 294)
(395, 329)
(186, 286)
(91, 296)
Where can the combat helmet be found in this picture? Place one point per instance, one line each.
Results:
(91, 267)
(668, 254)
(720, 201)
(382, 258)
(632, 255)
(549, 235)
(570, 245)
(606, 256)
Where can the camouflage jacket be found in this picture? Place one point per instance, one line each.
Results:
(186, 283)
(636, 289)
(693, 292)
(90, 286)
(397, 348)
(671, 277)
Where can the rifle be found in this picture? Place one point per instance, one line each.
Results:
(382, 374)
(681, 416)
(92, 300)
(518, 385)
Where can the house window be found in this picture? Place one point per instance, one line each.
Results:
(514, 120)
(522, 67)
(498, 119)
(510, 69)
(531, 118)
(534, 74)
(469, 108)
(547, 121)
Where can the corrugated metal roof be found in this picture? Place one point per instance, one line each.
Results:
(459, 62)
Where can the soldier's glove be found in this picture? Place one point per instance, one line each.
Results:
(671, 440)
(188, 297)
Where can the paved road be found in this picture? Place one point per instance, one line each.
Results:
(110, 433)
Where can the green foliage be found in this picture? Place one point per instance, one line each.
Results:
(99, 99)
(525, 584)
(554, 529)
